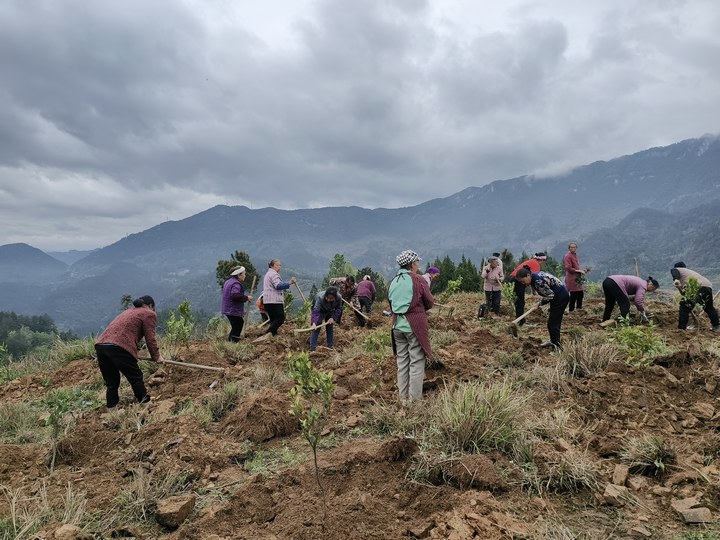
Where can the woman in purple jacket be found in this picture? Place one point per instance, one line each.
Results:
(233, 302)
(326, 308)
(618, 290)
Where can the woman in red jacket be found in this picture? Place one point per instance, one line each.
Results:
(117, 349)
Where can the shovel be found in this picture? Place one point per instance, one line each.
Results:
(513, 326)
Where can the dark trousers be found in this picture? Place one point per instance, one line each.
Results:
(614, 295)
(365, 304)
(519, 289)
(555, 317)
(576, 298)
(492, 301)
(236, 326)
(113, 361)
(705, 299)
(276, 313)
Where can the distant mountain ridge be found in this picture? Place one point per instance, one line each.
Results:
(587, 204)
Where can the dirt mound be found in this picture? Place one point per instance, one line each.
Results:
(260, 417)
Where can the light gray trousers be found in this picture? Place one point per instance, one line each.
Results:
(410, 365)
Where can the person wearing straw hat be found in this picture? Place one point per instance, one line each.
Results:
(409, 296)
(233, 302)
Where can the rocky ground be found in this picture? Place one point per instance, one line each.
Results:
(166, 470)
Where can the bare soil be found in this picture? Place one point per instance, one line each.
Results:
(370, 494)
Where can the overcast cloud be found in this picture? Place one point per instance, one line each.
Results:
(119, 115)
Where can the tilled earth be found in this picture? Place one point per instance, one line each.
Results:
(370, 492)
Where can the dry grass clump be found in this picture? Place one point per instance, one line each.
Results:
(585, 356)
(269, 375)
(552, 424)
(383, 418)
(28, 515)
(224, 400)
(64, 352)
(505, 359)
(478, 417)
(647, 454)
(18, 422)
(440, 339)
(234, 353)
(136, 503)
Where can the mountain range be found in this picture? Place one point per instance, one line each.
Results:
(658, 205)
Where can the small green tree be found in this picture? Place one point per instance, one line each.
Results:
(179, 328)
(57, 404)
(237, 259)
(311, 399)
(126, 301)
(453, 287)
(5, 360)
(339, 267)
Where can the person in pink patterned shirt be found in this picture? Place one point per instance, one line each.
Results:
(574, 276)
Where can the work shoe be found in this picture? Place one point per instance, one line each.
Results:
(688, 328)
(716, 329)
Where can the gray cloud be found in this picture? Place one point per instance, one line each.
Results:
(118, 116)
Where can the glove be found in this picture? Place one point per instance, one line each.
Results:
(644, 317)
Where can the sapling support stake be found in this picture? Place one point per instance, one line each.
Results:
(637, 270)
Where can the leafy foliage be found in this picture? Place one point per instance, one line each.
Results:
(179, 328)
(639, 342)
(311, 399)
(339, 267)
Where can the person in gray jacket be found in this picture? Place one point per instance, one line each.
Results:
(681, 276)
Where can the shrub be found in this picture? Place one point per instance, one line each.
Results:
(508, 293)
(477, 417)
(179, 328)
(505, 359)
(640, 342)
(584, 357)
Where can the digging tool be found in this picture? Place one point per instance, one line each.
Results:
(637, 270)
(247, 313)
(300, 291)
(355, 309)
(513, 326)
(311, 328)
(451, 309)
(263, 323)
(188, 364)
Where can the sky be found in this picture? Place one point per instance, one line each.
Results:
(118, 116)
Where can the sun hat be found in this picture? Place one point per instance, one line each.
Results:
(238, 271)
(406, 257)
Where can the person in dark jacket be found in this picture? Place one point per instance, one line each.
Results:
(326, 308)
(117, 349)
(233, 302)
(681, 276)
(553, 292)
(366, 294)
(533, 265)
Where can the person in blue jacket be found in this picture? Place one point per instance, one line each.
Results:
(553, 292)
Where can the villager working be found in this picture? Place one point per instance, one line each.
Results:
(618, 290)
(492, 284)
(554, 293)
(326, 308)
(233, 302)
(348, 290)
(117, 349)
(574, 277)
(704, 296)
(274, 297)
(431, 274)
(366, 294)
(409, 297)
(533, 265)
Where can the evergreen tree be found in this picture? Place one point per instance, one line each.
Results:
(313, 293)
(239, 258)
(508, 261)
(471, 281)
